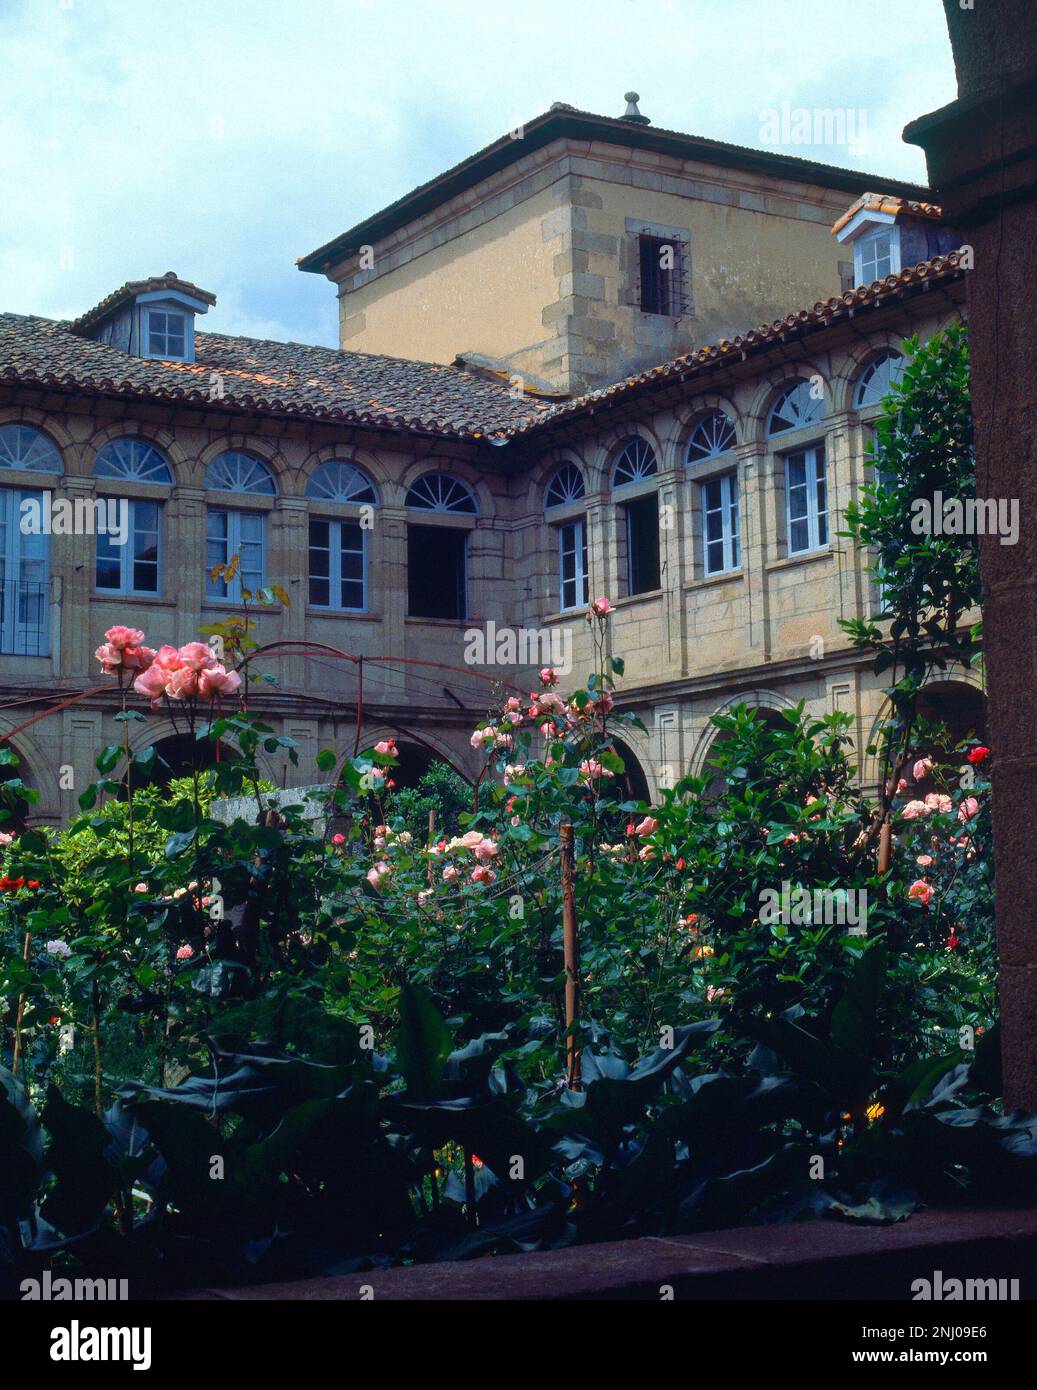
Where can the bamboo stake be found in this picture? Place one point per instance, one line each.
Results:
(431, 839)
(571, 955)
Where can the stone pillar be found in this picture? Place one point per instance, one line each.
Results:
(982, 156)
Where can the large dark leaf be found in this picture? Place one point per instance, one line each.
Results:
(422, 1043)
(78, 1157)
(21, 1150)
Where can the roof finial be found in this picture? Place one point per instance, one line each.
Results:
(632, 114)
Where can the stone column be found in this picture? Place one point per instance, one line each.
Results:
(982, 156)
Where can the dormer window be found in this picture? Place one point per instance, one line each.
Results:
(166, 334)
(876, 255)
(149, 318)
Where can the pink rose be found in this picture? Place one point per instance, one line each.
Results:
(646, 827)
(924, 861)
(484, 851)
(937, 801)
(915, 810)
(922, 892)
(121, 637)
(922, 768)
(184, 952)
(548, 675)
(601, 607)
(182, 683)
(197, 656)
(339, 839)
(387, 747)
(376, 874)
(483, 875)
(968, 808)
(216, 682)
(152, 683)
(450, 874)
(140, 887)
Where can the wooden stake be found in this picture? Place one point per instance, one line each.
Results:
(431, 839)
(20, 1014)
(571, 955)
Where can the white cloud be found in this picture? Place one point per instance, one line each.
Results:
(224, 140)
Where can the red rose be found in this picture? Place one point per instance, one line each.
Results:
(978, 755)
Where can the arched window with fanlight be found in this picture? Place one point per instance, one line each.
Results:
(878, 378)
(563, 504)
(24, 542)
(634, 471)
(237, 530)
(338, 538)
(437, 546)
(798, 407)
(129, 555)
(709, 446)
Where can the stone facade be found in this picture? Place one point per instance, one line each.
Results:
(766, 633)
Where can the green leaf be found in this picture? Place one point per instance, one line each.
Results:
(422, 1042)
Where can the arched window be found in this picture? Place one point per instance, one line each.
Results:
(566, 488)
(438, 492)
(340, 481)
(230, 531)
(22, 446)
(133, 461)
(437, 556)
(635, 464)
(798, 405)
(639, 534)
(238, 472)
(338, 545)
(712, 436)
(879, 376)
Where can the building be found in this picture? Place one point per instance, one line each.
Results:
(552, 384)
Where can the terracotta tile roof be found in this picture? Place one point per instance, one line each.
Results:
(322, 384)
(111, 302)
(563, 121)
(265, 377)
(886, 202)
(915, 280)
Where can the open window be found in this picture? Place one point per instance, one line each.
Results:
(436, 572)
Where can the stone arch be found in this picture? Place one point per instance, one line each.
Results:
(301, 474)
(36, 770)
(245, 444)
(758, 411)
(946, 687)
(162, 439)
(765, 700)
(56, 432)
(855, 360)
(689, 416)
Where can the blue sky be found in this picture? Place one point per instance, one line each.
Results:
(225, 138)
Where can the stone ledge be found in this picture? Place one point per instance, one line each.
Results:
(811, 1260)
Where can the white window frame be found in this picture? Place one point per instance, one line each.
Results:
(730, 537)
(334, 575)
(232, 546)
(866, 241)
(815, 482)
(13, 630)
(580, 582)
(125, 553)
